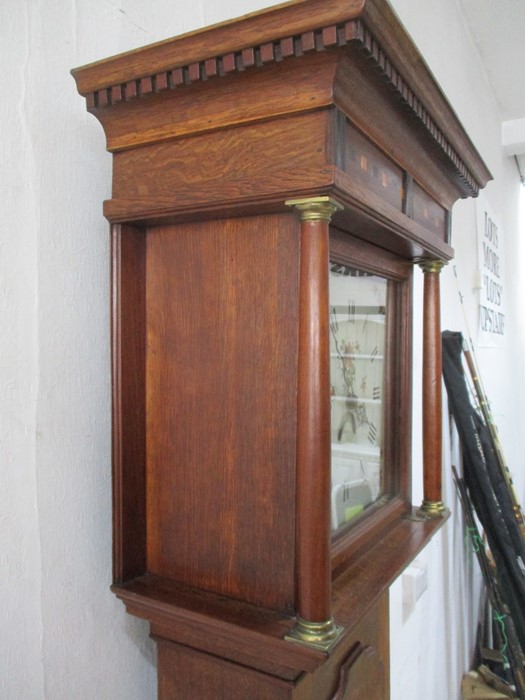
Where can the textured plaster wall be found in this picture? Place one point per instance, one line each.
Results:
(432, 643)
(21, 668)
(64, 633)
(450, 52)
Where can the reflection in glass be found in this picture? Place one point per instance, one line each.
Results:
(357, 370)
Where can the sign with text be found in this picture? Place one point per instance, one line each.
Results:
(491, 328)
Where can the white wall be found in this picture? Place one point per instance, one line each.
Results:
(20, 562)
(432, 647)
(65, 635)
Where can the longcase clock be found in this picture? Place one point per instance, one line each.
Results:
(275, 180)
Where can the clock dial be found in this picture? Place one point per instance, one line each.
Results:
(357, 345)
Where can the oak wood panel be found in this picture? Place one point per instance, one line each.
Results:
(129, 424)
(286, 88)
(251, 161)
(186, 674)
(221, 406)
(362, 676)
(281, 168)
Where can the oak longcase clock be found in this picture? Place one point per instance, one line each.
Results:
(275, 180)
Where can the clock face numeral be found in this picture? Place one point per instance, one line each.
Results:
(372, 433)
(374, 353)
(376, 393)
(351, 312)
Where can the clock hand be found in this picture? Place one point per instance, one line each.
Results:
(334, 325)
(351, 312)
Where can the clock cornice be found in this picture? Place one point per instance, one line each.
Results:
(291, 31)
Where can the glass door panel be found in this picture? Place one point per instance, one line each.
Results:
(358, 303)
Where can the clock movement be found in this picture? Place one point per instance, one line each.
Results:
(275, 180)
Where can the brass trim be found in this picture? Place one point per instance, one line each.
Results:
(319, 635)
(433, 509)
(315, 208)
(432, 265)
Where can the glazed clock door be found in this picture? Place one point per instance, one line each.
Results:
(358, 303)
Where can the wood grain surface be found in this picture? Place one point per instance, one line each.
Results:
(221, 390)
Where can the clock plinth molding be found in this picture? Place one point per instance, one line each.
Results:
(247, 157)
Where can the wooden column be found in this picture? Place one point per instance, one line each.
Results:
(313, 572)
(432, 505)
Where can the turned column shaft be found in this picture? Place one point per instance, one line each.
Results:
(313, 420)
(432, 411)
(313, 426)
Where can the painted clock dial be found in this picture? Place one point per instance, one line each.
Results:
(358, 302)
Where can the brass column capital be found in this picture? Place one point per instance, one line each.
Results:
(315, 208)
(432, 265)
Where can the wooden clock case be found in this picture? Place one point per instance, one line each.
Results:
(245, 155)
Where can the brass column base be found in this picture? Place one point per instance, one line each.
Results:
(433, 509)
(319, 635)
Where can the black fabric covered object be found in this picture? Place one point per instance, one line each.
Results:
(487, 488)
